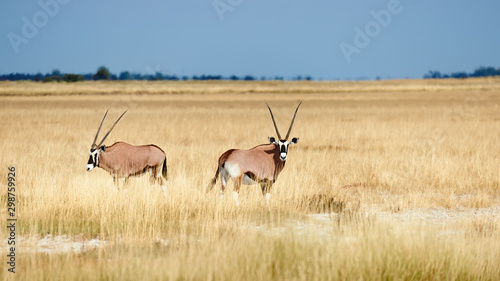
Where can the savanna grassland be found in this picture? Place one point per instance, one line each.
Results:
(391, 180)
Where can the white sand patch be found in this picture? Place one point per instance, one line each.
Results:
(440, 222)
(56, 244)
(437, 217)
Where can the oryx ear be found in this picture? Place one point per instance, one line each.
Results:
(272, 140)
(103, 148)
(295, 140)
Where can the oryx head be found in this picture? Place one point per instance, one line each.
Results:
(283, 143)
(97, 149)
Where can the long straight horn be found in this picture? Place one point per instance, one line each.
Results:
(98, 130)
(290, 129)
(274, 122)
(112, 128)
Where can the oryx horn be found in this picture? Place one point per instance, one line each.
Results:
(290, 129)
(98, 130)
(274, 122)
(111, 128)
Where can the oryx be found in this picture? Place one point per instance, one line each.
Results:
(123, 160)
(261, 164)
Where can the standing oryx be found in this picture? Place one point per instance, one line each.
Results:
(123, 160)
(261, 164)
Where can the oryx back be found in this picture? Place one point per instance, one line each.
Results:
(124, 160)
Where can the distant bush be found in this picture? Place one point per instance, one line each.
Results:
(125, 75)
(102, 74)
(485, 72)
(52, 78)
(459, 75)
(479, 72)
(433, 75)
(72, 77)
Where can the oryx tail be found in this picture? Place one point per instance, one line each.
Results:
(164, 168)
(220, 165)
(214, 180)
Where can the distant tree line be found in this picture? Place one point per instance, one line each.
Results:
(103, 73)
(479, 72)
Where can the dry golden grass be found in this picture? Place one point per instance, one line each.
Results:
(407, 169)
(24, 88)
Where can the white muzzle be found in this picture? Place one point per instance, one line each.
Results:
(90, 167)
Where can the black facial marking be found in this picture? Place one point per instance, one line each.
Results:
(91, 161)
(93, 157)
(283, 149)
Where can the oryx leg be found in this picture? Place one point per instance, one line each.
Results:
(116, 183)
(237, 185)
(266, 190)
(152, 179)
(156, 177)
(125, 183)
(224, 176)
(159, 178)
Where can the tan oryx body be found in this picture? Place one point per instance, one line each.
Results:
(123, 160)
(259, 165)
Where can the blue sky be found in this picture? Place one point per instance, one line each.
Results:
(256, 37)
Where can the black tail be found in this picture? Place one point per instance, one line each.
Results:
(214, 180)
(164, 168)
